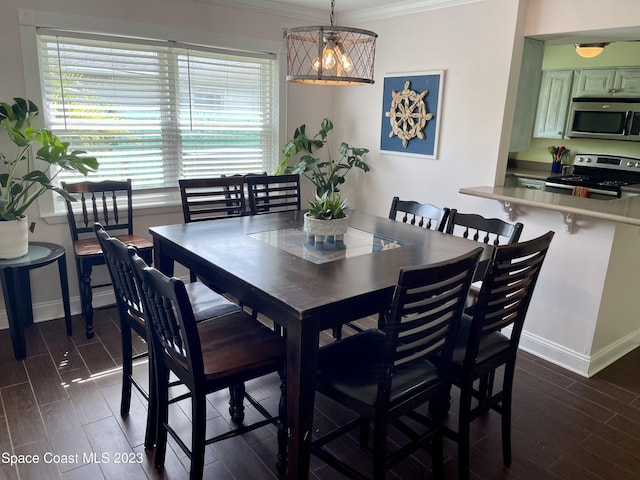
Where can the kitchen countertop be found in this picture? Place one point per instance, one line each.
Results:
(623, 210)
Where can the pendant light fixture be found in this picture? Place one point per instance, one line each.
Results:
(330, 55)
(590, 50)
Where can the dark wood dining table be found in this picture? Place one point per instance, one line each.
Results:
(267, 262)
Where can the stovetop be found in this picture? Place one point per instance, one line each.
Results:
(606, 172)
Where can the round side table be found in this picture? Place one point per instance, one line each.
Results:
(16, 289)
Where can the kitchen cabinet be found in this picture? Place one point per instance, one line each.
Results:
(527, 97)
(608, 82)
(553, 103)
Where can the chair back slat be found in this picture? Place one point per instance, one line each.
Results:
(212, 198)
(423, 215)
(426, 309)
(273, 193)
(99, 202)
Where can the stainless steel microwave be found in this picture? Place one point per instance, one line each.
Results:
(604, 118)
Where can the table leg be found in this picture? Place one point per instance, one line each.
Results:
(163, 262)
(302, 358)
(64, 287)
(17, 298)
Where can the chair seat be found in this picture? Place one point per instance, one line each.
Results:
(236, 344)
(491, 345)
(85, 247)
(206, 303)
(352, 367)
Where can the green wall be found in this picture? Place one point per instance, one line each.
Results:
(618, 54)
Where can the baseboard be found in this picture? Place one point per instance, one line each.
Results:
(44, 311)
(554, 353)
(584, 365)
(613, 352)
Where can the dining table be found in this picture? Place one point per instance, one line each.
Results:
(305, 286)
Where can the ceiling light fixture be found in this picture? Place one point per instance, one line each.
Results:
(590, 50)
(330, 55)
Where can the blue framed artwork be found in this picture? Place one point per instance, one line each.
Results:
(411, 108)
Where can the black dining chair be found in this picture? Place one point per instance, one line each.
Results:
(212, 198)
(384, 375)
(206, 304)
(273, 193)
(421, 214)
(208, 356)
(110, 204)
(489, 337)
(481, 229)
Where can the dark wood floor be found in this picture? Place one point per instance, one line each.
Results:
(62, 404)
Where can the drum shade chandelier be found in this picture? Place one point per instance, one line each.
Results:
(330, 55)
(590, 50)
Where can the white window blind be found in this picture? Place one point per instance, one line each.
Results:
(159, 111)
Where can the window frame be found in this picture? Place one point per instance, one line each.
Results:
(159, 200)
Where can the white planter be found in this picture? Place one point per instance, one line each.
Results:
(14, 238)
(318, 230)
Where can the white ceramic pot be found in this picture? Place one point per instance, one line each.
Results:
(320, 229)
(14, 238)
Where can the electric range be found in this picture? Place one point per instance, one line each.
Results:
(597, 176)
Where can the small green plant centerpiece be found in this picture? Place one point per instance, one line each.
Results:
(27, 175)
(327, 216)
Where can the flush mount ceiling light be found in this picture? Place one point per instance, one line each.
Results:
(590, 50)
(330, 55)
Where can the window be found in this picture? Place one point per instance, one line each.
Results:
(159, 111)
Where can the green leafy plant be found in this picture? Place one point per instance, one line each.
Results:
(326, 175)
(326, 207)
(21, 180)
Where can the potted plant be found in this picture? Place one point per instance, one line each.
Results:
(22, 179)
(326, 175)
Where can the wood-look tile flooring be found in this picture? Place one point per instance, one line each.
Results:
(62, 404)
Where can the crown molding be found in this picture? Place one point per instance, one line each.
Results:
(394, 9)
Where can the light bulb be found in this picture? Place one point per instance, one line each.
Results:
(345, 60)
(328, 57)
(316, 64)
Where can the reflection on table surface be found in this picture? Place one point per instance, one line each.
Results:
(355, 242)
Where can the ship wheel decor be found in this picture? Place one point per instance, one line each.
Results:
(410, 113)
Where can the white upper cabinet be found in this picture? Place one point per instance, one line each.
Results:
(608, 82)
(627, 82)
(553, 103)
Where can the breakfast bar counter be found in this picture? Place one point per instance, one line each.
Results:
(622, 210)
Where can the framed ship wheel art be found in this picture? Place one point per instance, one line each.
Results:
(411, 113)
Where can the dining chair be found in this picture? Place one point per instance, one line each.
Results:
(420, 214)
(384, 375)
(223, 352)
(481, 229)
(273, 193)
(109, 203)
(212, 198)
(206, 304)
(488, 339)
